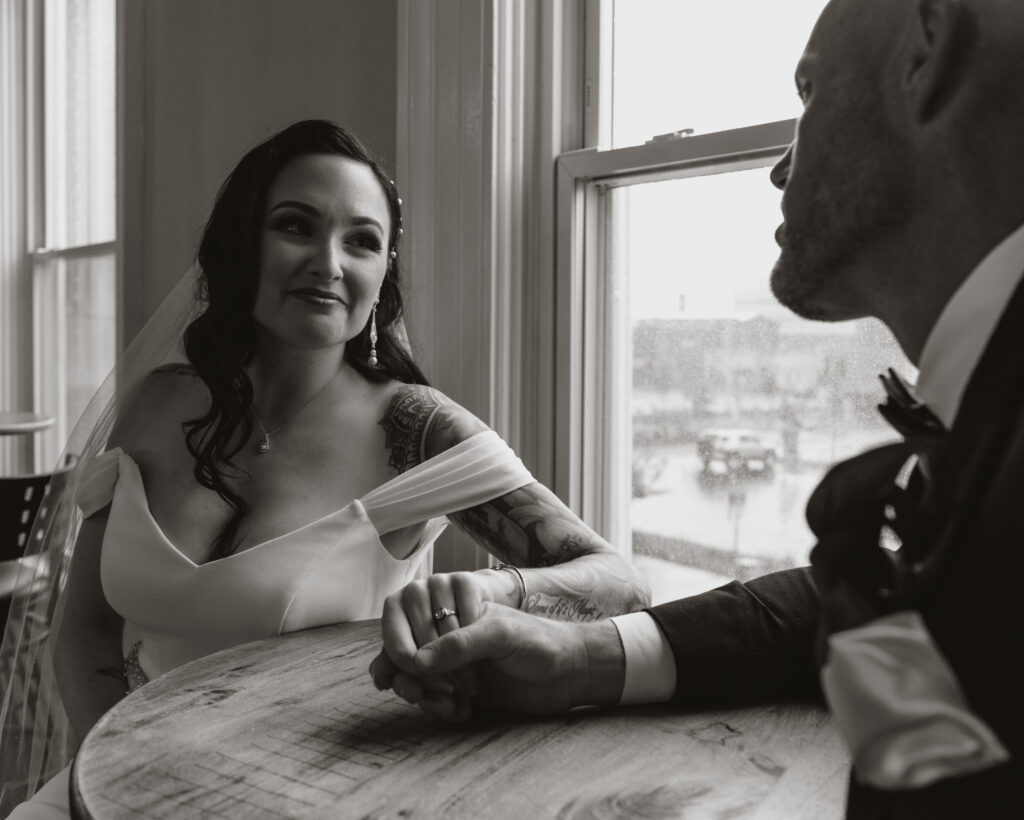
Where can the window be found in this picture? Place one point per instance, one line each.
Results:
(701, 413)
(685, 64)
(74, 261)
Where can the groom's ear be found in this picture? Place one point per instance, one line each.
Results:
(931, 63)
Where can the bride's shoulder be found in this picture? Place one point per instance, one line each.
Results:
(173, 385)
(167, 396)
(420, 421)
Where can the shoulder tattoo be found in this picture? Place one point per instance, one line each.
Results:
(405, 422)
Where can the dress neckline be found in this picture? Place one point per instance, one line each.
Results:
(450, 453)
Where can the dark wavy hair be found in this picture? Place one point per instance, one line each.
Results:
(221, 342)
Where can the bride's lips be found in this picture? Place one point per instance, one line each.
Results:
(316, 296)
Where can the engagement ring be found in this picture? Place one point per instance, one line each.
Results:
(443, 612)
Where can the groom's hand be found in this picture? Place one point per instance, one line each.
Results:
(523, 664)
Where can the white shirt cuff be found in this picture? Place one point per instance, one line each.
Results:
(650, 664)
(899, 706)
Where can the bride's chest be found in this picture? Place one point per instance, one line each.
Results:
(283, 493)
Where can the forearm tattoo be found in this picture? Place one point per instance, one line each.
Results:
(592, 587)
(530, 527)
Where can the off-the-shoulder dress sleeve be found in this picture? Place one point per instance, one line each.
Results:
(96, 485)
(479, 469)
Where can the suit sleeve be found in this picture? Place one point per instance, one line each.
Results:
(745, 642)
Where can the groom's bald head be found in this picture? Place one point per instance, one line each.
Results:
(912, 117)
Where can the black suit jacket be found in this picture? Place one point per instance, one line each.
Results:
(756, 641)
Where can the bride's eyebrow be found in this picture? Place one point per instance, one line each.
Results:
(315, 212)
(301, 206)
(366, 220)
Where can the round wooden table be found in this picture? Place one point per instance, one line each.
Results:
(293, 727)
(19, 423)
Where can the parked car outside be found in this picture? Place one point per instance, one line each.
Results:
(738, 449)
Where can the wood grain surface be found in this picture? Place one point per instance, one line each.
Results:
(293, 727)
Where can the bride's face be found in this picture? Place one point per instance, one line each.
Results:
(323, 252)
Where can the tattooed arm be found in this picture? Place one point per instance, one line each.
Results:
(570, 572)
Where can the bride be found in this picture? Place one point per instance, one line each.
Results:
(293, 473)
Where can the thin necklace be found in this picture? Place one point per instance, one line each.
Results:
(264, 446)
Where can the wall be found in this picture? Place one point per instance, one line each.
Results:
(204, 80)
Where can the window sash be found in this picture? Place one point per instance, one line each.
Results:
(75, 245)
(592, 461)
(36, 251)
(56, 275)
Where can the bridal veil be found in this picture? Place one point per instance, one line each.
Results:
(35, 738)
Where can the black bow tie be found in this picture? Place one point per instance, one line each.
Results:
(910, 416)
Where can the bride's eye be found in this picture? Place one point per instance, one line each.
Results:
(367, 241)
(294, 225)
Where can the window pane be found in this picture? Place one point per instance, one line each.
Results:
(80, 58)
(709, 66)
(737, 406)
(76, 339)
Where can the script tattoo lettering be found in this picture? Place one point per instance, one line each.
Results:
(562, 609)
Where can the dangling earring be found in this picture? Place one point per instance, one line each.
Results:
(372, 358)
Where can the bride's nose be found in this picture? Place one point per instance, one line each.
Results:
(328, 261)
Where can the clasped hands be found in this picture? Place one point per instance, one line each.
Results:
(489, 655)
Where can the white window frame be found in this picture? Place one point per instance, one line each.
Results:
(20, 216)
(32, 283)
(594, 456)
(49, 339)
(590, 430)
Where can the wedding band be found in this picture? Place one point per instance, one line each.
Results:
(443, 612)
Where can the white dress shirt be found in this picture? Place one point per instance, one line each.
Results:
(950, 354)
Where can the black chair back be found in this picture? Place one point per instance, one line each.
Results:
(22, 500)
(21, 497)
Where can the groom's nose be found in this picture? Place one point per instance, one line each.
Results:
(780, 173)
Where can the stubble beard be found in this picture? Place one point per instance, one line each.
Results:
(813, 274)
(797, 282)
(821, 271)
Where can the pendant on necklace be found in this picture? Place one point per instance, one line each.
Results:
(264, 446)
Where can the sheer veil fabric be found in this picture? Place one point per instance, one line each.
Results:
(35, 738)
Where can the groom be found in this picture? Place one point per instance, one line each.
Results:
(903, 199)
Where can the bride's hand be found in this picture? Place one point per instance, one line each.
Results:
(422, 611)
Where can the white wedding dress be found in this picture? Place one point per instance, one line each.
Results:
(331, 570)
